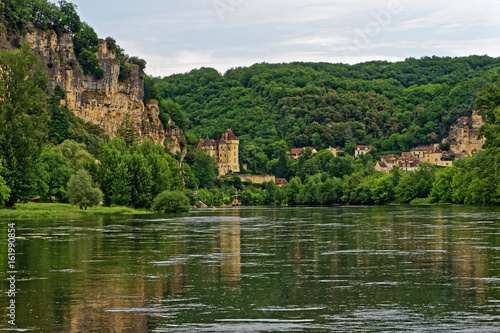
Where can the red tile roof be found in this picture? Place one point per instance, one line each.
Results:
(229, 135)
(280, 181)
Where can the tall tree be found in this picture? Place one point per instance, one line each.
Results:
(23, 120)
(82, 191)
(4, 190)
(54, 173)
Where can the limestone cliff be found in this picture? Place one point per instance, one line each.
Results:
(463, 136)
(103, 102)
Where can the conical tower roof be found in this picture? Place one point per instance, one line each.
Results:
(208, 142)
(229, 135)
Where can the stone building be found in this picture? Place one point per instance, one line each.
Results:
(362, 150)
(463, 136)
(295, 152)
(224, 150)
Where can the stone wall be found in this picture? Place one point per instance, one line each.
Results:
(257, 179)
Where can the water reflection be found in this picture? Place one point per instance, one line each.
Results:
(230, 251)
(283, 269)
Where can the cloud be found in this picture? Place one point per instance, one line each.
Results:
(175, 36)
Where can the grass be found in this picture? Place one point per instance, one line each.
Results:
(38, 210)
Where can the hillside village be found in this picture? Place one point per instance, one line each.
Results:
(462, 141)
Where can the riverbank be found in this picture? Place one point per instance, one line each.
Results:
(40, 210)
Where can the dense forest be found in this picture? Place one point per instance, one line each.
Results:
(48, 154)
(392, 106)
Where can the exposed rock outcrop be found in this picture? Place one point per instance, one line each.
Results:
(463, 136)
(103, 102)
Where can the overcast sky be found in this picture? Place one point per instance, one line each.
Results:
(176, 36)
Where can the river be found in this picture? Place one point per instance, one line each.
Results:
(318, 269)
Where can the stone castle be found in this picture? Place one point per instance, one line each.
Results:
(224, 150)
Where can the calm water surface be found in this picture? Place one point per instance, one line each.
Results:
(335, 269)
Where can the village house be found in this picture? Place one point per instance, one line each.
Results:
(362, 150)
(382, 167)
(295, 152)
(389, 160)
(280, 182)
(224, 150)
(335, 151)
(408, 164)
(409, 159)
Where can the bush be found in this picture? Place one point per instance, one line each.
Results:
(82, 191)
(171, 202)
(421, 201)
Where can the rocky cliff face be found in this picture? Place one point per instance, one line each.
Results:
(103, 102)
(463, 136)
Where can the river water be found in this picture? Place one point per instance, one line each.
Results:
(321, 269)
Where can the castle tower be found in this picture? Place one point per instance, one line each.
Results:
(232, 153)
(209, 147)
(225, 151)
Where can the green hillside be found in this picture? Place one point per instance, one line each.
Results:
(393, 106)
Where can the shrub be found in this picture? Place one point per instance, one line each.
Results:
(171, 202)
(82, 191)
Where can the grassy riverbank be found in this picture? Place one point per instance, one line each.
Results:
(39, 210)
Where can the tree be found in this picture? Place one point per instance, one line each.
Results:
(175, 112)
(82, 191)
(120, 186)
(442, 189)
(76, 153)
(383, 189)
(4, 189)
(59, 117)
(189, 177)
(70, 19)
(292, 191)
(140, 180)
(127, 131)
(171, 202)
(405, 191)
(54, 173)
(23, 120)
(204, 168)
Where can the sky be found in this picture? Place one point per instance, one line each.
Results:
(177, 36)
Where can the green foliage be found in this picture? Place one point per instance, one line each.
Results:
(4, 189)
(15, 15)
(59, 125)
(23, 120)
(415, 184)
(121, 189)
(90, 64)
(392, 106)
(382, 190)
(127, 132)
(139, 62)
(171, 202)
(173, 110)
(76, 153)
(205, 168)
(85, 39)
(82, 191)
(189, 177)
(292, 191)
(442, 189)
(134, 175)
(54, 173)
